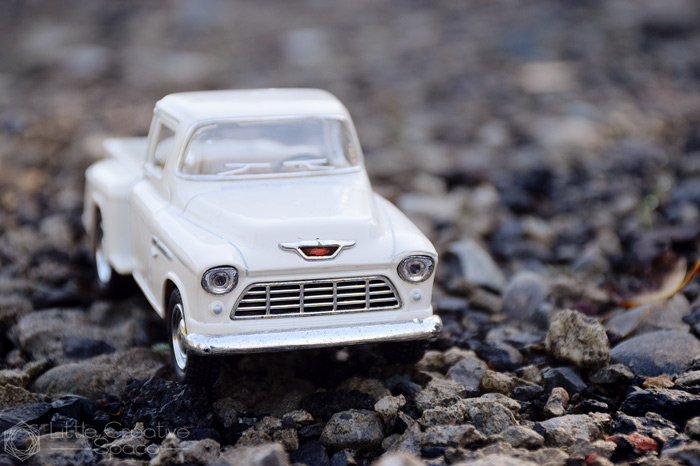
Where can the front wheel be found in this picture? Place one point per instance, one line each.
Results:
(189, 368)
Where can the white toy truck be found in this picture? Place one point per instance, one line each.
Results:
(248, 221)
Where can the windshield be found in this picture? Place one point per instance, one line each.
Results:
(249, 148)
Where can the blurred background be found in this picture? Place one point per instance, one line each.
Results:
(556, 134)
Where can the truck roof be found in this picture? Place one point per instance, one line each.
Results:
(191, 107)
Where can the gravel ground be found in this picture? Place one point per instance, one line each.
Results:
(551, 151)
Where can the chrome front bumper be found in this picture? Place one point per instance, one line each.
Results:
(282, 340)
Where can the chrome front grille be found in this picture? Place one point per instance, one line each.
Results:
(314, 297)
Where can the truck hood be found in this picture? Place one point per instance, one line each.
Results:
(257, 218)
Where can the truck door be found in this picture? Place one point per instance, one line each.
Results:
(151, 195)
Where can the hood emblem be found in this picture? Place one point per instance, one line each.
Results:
(317, 249)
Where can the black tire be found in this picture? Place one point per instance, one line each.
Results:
(189, 368)
(107, 281)
(404, 352)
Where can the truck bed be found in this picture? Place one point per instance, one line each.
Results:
(129, 151)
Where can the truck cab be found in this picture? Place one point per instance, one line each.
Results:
(248, 221)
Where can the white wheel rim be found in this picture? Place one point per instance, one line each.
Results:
(177, 333)
(104, 270)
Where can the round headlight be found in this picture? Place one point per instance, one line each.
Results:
(416, 269)
(220, 280)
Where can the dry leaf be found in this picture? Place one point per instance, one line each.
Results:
(660, 381)
(672, 284)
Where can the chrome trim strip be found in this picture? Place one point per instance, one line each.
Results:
(161, 247)
(327, 243)
(284, 340)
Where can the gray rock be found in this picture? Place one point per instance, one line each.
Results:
(27, 414)
(443, 415)
(525, 294)
(577, 339)
(269, 424)
(357, 429)
(61, 448)
(455, 354)
(432, 361)
(565, 377)
(669, 436)
(566, 290)
(656, 353)
(477, 265)
(683, 454)
(692, 428)
(516, 335)
(12, 308)
(488, 415)
(501, 355)
(563, 431)
(647, 425)
(519, 437)
(439, 392)
(83, 348)
(675, 405)
(11, 395)
(468, 372)
(22, 377)
(299, 416)
(345, 458)
(582, 449)
(268, 454)
(253, 438)
(508, 402)
(54, 334)
(496, 382)
(480, 298)
(55, 231)
(532, 374)
(399, 459)
(311, 452)
(288, 438)
(547, 457)
(372, 387)
(102, 374)
(226, 411)
(462, 456)
(129, 442)
(389, 406)
(409, 441)
(613, 374)
(204, 451)
(498, 460)
(427, 209)
(689, 379)
(306, 46)
(14, 377)
(451, 436)
(592, 262)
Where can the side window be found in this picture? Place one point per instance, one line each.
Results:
(164, 145)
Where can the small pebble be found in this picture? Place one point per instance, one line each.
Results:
(556, 403)
(577, 339)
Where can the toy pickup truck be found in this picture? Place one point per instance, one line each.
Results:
(248, 221)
